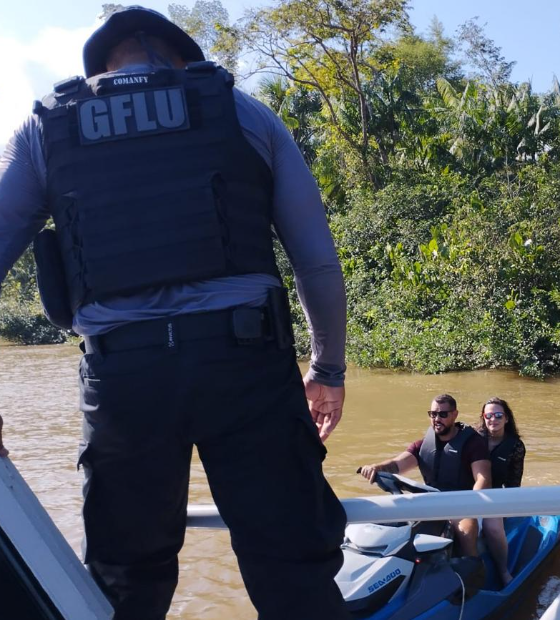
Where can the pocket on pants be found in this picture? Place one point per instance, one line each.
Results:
(84, 463)
(83, 450)
(308, 436)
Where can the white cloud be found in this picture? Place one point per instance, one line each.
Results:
(60, 50)
(29, 70)
(16, 91)
(55, 51)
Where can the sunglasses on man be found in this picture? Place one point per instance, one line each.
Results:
(494, 414)
(440, 414)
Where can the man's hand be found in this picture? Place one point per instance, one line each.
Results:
(3, 451)
(325, 404)
(400, 464)
(369, 471)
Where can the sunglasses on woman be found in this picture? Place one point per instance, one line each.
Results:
(494, 414)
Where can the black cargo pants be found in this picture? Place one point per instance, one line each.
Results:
(243, 406)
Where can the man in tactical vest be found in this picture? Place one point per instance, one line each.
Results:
(163, 182)
(451, 457)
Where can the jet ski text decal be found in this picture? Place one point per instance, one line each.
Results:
(382, 582)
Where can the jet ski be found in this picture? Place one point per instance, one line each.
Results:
(407, 570)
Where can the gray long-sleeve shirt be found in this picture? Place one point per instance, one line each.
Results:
(298, 217)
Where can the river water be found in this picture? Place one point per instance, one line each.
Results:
(384, 412)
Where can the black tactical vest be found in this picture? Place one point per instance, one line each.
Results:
(442, 468)
(500, 458)
(151, 182)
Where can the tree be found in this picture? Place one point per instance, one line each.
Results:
(483, 54)
(422, 59)
(208, 23)
(298, 108)
(108, 9)
(494, 128)
(328, 46)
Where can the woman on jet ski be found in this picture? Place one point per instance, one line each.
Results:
(507, 455)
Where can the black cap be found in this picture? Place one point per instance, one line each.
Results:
(124, 23)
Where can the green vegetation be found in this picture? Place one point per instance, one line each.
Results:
(21, 317)
(441, 179)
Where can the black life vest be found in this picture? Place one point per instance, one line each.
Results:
(151, 182)
(441, 467)
(500, 458)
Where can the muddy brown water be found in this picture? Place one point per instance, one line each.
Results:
(384, 412)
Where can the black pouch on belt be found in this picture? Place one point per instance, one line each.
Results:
(51, 279)
(280, 317)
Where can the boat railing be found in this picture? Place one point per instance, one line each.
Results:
(516, 502)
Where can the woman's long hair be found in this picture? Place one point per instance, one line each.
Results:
(510, 428)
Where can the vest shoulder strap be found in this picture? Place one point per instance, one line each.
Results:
(462, 436)
(506, 446)
(69, 86)
(204, 66)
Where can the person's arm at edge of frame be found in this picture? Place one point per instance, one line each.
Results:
(301, 224)
(22, 204)
(402, 463)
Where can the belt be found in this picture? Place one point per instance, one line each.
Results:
(248, 326)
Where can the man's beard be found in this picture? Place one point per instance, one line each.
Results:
(441, 429)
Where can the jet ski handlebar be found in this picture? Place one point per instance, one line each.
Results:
(397, 484)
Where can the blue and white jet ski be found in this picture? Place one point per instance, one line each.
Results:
(408, 570)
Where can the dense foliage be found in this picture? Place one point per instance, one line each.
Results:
(441, 179)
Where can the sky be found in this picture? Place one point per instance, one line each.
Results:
(41, 40)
